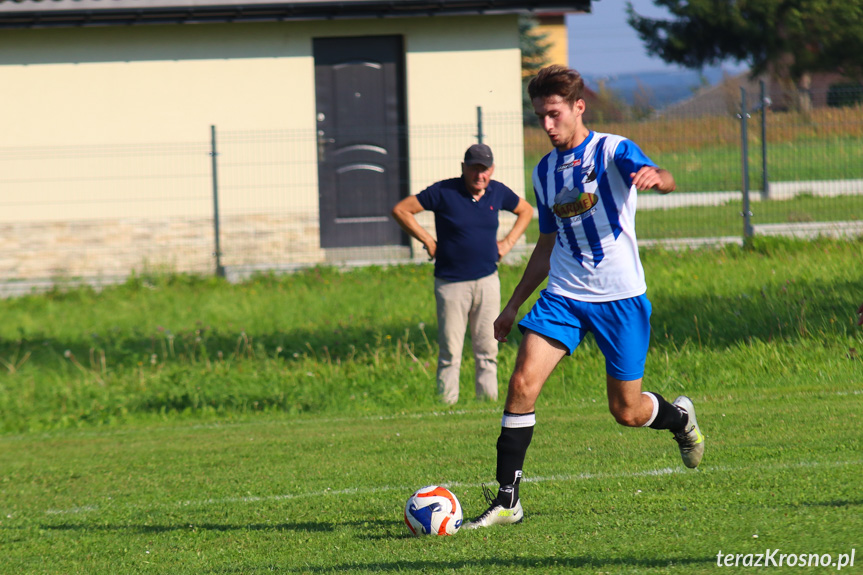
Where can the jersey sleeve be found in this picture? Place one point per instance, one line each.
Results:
(629, 158)
(429, 198)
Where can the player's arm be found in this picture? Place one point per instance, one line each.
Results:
(534, 274)
(524, 213)
(653, 178)
(643, 173)
(404, 212)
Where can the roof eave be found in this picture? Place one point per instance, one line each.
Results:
(278, 12)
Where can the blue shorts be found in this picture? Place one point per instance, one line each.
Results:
(621, 328)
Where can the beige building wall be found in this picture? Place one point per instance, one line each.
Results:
(556, 37)
(113, 124)
(447, 80)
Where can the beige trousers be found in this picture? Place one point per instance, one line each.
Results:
(459, 304)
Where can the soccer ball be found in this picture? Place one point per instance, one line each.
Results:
(433, 510)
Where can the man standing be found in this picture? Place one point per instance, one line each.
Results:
(466, 252)
(586, 190)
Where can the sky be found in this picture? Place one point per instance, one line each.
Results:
(603, 44)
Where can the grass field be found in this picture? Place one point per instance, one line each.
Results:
(181, 425)
(726, 219)
(704, 153)
(720, 168)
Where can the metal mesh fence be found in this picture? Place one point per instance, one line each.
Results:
(100, 213)
(267, 192)
(803, 166)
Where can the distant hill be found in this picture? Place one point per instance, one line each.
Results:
(663, 88)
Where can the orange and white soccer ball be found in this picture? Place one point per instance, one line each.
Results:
(433, 510)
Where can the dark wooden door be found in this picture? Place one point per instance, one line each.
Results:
(360, 129)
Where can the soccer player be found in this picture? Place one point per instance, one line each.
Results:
(586, 190)
(466, 252)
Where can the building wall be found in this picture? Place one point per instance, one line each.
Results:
(113, 124)
(553, 27)
(162, 83)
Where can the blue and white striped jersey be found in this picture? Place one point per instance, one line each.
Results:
(586, 195)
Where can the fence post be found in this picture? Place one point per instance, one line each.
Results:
(479, 124)
(747, 215)
(765, 180)
(220, 270)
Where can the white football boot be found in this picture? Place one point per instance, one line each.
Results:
(690, 439)
(496, 514)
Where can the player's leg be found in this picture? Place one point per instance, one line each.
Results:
(551, 331)
(633, 408)
(537, 357)
(622, 331)
(453, 303)
(626, 402)
(485, 308)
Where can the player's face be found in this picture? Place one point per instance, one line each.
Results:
(476, 177)
(560, 120)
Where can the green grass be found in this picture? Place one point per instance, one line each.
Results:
(294, 449)
(317, 340)
(325, 495)
(718, 168)
(726, 219)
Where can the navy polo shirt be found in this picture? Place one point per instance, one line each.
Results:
(466, 230)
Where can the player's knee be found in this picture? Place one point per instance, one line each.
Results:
(520, 392)
(626, 417)
(518, 383)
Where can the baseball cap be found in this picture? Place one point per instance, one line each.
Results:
(479, 154)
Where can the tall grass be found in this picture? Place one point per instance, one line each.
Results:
(317, 340)
(726, 219)
(324, 341)
(684, 133)
(704, 153)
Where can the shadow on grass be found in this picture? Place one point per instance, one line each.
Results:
(833, 503)
(792, 312)
(343, 319)
(309, 527)
(715, 321)
(509, 564)
(213, 345)
(517, 564)
(490, 565)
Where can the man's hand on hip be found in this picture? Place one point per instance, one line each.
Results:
(431, 249)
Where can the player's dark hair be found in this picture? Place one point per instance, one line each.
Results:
(557, 80)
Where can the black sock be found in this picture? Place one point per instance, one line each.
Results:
(515, 435)
(668, 416)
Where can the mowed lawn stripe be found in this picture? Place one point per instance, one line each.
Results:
(363, 492)
(303, 495)
(173, 465)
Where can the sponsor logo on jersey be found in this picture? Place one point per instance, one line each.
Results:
(568, 165)
(570, 203)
